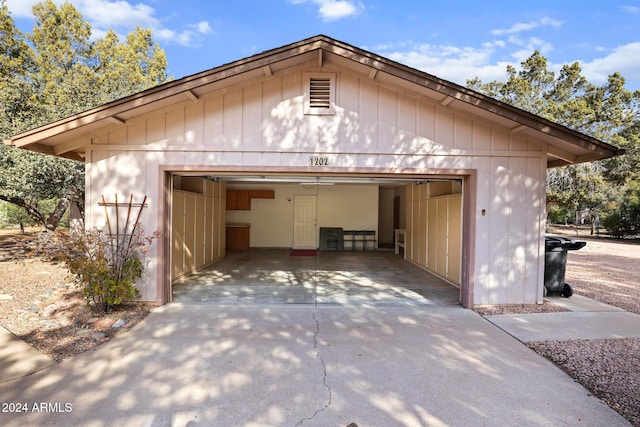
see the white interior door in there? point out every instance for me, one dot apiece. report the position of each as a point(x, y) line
point(304, 221)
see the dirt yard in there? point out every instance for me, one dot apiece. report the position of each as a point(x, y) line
point(40, 304)
point(607, 271)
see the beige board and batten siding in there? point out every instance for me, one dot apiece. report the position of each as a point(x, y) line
point(261, 125)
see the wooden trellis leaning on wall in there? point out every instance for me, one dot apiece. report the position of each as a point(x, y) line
point(122, 237)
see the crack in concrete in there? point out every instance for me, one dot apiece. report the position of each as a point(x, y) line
point(318, 354)
point(324, 371)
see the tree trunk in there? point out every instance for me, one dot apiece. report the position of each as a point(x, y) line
point(38, 217)
point(56, 215)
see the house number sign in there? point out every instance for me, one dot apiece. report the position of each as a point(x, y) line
point(318, 161)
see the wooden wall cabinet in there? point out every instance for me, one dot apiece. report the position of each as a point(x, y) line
point(434, 230)
point(198, 227)
point(261, 194)
point(240, 200)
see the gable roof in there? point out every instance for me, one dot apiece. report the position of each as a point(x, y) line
point(565, 146)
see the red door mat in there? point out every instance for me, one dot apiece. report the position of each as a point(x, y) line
point(304, 252)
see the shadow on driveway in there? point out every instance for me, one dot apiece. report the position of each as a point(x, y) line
point(208, 364)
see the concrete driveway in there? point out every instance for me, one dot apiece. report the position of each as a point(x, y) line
point(319, 365)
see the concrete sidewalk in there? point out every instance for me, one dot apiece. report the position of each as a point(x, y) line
point(274, 365)
point(17, 358)
point(588, 319)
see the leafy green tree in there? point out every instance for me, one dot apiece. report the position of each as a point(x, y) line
point(28, 179)
point(12, 215)
point(62, 51)
point(126, 68)
point(625, 169)
point(624, 219)
point(16, 67)
point(602, 112)
point(53, 72)
point(608, 112)
point(75, 74)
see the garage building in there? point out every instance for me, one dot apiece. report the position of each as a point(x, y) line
point(279, 149)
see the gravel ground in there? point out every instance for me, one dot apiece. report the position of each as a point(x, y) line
point(605, 270)
point(610, 369)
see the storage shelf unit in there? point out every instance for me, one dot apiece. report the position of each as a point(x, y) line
point(331, 239)
point(362, 240)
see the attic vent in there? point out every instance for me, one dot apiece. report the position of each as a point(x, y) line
point(320, 93)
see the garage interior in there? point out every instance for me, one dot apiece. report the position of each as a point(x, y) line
point(244, 239)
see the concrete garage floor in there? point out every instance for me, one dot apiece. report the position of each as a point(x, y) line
point(273, 276)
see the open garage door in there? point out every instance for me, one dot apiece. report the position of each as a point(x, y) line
point(248, 218)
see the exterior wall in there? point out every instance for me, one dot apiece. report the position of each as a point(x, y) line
point(262, 126)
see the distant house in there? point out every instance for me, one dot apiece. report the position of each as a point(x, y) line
point(320, 134)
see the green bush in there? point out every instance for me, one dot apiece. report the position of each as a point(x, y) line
point(559, 215)
point(107, 267)
point(624, 219)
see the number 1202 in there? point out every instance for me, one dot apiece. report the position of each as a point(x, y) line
point(318, 161)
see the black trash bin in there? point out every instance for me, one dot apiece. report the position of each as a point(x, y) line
point(555, 263)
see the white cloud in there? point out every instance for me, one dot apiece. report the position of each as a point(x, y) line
point(489, 60)
point(624, 59)
point(22, 8)
point(332, 10)
point(520, 27)
point(631, 9)
point(204, 27)
point(106, 14)
point(452, 63)
point(122, 16)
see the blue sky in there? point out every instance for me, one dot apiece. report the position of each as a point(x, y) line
point(454, 40)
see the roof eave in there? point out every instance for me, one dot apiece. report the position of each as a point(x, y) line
point(185, 85)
